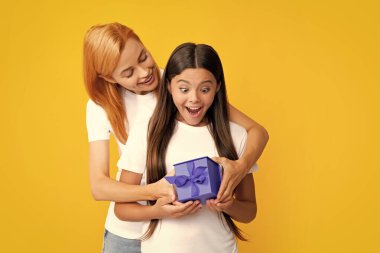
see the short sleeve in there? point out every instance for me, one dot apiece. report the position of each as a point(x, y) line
point(98, 126)
point(132, 160)
point(133, 156)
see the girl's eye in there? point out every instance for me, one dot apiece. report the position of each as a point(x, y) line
point(184, 90)
point(205, 90)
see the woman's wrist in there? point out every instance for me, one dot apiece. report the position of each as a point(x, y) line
point(229, 208)
point(152, 191)
point(244, 164)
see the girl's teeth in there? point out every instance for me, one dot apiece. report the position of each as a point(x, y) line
point(193, 110)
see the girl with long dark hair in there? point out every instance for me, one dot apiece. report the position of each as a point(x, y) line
point(190, 120)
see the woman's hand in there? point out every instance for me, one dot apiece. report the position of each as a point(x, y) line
point(163, 189)
point(233, 173)
point(166, 209)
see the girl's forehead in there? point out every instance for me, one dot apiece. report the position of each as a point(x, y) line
point(194, 75)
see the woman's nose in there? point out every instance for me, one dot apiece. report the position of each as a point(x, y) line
point(143, 71)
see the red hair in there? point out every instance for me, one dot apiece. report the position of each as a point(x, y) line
point(103, 45)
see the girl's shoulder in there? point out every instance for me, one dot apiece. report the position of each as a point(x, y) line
point(237, 129)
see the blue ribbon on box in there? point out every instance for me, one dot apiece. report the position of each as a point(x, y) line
point(196, 176)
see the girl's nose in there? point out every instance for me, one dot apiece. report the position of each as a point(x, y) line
point(194, 97)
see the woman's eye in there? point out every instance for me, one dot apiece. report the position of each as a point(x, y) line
point(184, 90)
point(144, 57)
point(129, 74)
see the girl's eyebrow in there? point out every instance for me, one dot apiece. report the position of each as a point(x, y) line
point(182, 80)
point(185, 81)
point(129, 68)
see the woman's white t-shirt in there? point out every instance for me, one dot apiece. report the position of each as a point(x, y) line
point(139, 109)
point(200, 232)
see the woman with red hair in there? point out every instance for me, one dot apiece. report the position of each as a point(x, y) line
point(121, 79)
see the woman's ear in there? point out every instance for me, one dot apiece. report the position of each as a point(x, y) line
point(108, 79)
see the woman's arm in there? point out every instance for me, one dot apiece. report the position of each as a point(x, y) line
point(242, 207)
point(162, 209)
point(235, 171)
point(103, 187)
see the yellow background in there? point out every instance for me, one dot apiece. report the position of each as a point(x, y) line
point(307, 70)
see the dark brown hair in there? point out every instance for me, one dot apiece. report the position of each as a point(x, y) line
point(163, 121)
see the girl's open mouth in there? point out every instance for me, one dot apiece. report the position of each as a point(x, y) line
point(193, 111)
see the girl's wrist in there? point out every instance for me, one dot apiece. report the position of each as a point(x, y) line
point(157, 212)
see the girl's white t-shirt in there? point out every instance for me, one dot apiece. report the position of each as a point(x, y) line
point(204, 231)
point(139, 109)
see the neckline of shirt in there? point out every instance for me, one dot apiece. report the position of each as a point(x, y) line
point(140, 96)
point(191, 127)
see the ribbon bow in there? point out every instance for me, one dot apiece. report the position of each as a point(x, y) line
point(196, 176)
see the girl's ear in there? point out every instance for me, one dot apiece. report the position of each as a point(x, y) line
point(108, 79)
point(169, 87)
point(218, 87)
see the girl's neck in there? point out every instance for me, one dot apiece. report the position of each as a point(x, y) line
point(203, 123)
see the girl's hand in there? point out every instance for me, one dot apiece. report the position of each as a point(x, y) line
point(167, 209)
point(163, 189)
point(233, 173)
point(219, 206)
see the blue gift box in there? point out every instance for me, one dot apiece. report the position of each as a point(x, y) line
point(197, 179)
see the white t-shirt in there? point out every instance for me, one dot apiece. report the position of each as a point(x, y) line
point(139, 110)
point(200, 232)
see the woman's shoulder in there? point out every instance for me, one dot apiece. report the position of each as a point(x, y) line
point(95, 113)
point(91, 105)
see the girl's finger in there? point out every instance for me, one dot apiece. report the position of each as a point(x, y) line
point(195, 209)
point(188, 208)
point(177, 203)
point(195, 206)
point(212, 206)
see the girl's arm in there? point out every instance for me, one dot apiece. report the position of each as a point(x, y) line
point(235, 171)
point(242, 207)
point(103, 187)
point(162, 209)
